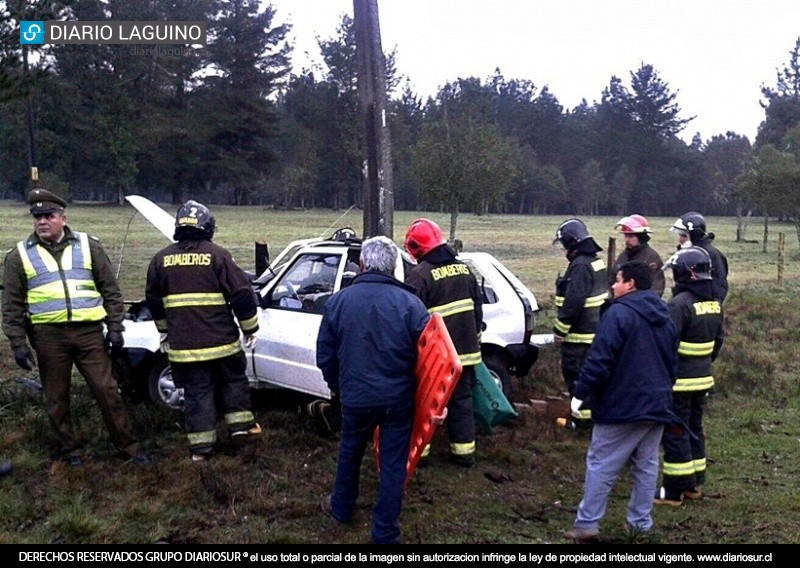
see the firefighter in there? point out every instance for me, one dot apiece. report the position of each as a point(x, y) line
point(698, 319)
point(194, 290)
point(447, 286)
point(636, 231)
point(60, 288)
point(580, 293)
point(694, 224)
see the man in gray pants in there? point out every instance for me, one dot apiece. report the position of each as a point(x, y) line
point(629, 372)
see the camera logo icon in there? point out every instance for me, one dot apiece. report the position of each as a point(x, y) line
point(31, 32)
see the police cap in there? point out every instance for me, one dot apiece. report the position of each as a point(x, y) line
point(43, 201)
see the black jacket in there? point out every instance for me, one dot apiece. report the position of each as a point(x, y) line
point(698, 319)
point(447, 286)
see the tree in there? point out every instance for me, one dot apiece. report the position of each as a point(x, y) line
point(726, 157)
point(652, 106)
point(782, 107)
point(249, 60)
point(463, 164)
point(589, 189)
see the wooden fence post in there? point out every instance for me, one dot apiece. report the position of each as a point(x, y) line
point(781, 250)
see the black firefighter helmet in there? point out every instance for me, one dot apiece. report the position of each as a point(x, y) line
point(194, 221)
point(691, 264)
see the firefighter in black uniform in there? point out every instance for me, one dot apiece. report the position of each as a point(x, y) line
point(194, 290)
point(698, 318)
point(694, 224)
point(60, 288)
point(446, 285)
point(579, 295)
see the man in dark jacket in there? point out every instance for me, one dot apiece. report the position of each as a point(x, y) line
point(194, 290)
point(580, 293)
point(636, 231)
point(694, 224)
point(367, 352)
point(628, 373)
point(698, 319)
point(446, 285)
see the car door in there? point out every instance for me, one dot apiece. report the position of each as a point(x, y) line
point(289, 320)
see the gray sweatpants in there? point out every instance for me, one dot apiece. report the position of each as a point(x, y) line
point(612, 446)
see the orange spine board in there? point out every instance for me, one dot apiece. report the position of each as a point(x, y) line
point(438, 370)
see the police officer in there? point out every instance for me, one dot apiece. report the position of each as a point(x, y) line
point(446, 285)
point(59, 290)
point(698, 319)
point(194, 290)
point(636, 232)
point(579, 295)
point(694, 224)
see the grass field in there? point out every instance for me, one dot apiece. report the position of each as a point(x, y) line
point(529, 475)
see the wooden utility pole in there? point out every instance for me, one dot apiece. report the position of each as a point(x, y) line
point(32, 167)
point(372, 98)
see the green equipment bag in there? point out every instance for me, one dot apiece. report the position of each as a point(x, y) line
point(490, 405)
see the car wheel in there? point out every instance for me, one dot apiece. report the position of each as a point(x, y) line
point(161, 385)
point(499, 371)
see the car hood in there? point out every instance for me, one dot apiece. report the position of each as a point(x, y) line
point(159, 218)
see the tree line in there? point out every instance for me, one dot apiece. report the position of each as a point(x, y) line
point(233, 123)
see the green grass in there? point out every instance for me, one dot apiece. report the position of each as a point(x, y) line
point(529, 476)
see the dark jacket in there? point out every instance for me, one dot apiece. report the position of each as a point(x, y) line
point(194, 289)
point(15, 303)
point(446, 285)
point(646, 254)
point(719, 266)
point(698, 318)
point(367, 342)
point(579, 295)
point(630, 368)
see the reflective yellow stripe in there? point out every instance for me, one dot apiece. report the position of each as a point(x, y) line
point(453, 308)
point(590, 302)
point(699, 465)
point(462, 449)
point(206, 354)
point(239, 417)
point(595, 301)
point(194, 299)
point(470, 358)
point(426, 451)
point(249, 323)
point(202, 438)
point(688, 349)
point(598, 264)
point(579, 338)
point(693, 384)
point(678, 469)
point(586, 413)
point(562, 327)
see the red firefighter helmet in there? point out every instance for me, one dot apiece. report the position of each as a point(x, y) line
point(422, 236)
point(635, 224)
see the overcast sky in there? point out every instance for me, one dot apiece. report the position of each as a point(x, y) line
point(714, 54)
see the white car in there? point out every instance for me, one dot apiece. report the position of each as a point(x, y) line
point(293, 289)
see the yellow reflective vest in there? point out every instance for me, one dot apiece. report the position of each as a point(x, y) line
point(61, 290)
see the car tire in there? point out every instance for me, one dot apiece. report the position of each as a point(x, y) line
point(499, 371)
point(161, 385)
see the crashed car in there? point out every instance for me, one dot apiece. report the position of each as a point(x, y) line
point(292, 290)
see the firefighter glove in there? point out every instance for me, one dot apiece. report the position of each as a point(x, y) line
point(250, 341)
point(24, 357)
point(164, 342)
point(114, 341)
point(575, 407)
